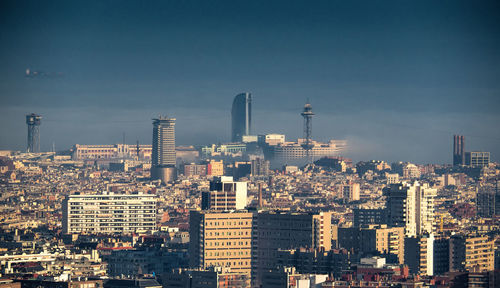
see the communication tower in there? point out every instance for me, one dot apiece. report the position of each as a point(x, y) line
point(307, 114)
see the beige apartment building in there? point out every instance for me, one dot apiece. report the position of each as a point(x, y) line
point(388, 240)
point(109, 213)
point(249, 241)
point(221, 239)
point(215, 168)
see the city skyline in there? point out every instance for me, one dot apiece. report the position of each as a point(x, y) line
point(249, 144)
point(371, 71)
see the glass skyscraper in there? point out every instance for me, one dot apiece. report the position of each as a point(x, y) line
point(241, 116)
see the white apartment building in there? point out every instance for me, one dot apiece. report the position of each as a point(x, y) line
point(411, 205)
point(109, 213)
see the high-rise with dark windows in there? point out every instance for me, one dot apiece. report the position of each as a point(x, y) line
point(458, 150)
point(163, 149)
point(33, 121)
point(241, 116)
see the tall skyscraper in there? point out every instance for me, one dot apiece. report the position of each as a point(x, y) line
point(163, 150)
point(411, 205)
point(33, 121)
point(458, 150)
point(241, 116)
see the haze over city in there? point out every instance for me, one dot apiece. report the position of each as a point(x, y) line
point(382, 75)
point(249, 144)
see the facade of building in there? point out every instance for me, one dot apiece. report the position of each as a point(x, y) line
point(133, 262)
point(419, 254)
point(195, 170)
point(411, 205)
point(441, 255)
point(215, 168)
point(309, 261)
point(488, 201)
point(285, 230)
point(241, 117)
point(212, 277)
point(93, 152)
point(293, 150)
point(223, 149)
point(411, 171)
point(369, 216)
point(33, 121)
point(225, 194)
point(392, 178)
point(374, 238)
point(271, 139)
point(163, 157)
point(477, 159)
point(350, 191)
point(109, 213)
point(260, 167)
point(221, 239)
point(471, 253)
point(458, 150)
point(288, 277)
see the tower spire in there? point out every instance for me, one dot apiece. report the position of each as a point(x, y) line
point(308, 114)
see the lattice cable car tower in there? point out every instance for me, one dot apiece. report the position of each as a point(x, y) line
point(308, 145)
point(33, 120)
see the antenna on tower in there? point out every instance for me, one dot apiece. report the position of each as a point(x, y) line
point(308, 145)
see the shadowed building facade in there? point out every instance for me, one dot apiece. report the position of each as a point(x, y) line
point(241, 116)
point(33, 121)
point(458, 150)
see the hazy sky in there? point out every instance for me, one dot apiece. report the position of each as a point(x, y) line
point(395, 78)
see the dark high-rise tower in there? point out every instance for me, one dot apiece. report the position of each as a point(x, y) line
point(241, 116)
point(33, 122)
point(458, 150)
point(307, 114)
point(163, 149)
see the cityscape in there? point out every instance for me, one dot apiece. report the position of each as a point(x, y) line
point(193, 204)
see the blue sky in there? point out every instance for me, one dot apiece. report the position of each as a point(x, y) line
point(395, 78)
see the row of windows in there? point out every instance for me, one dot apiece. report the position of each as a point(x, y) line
point(229, 233)
point(227, 243)
point(228, 264)
point(238, 253)
point(228, 223)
